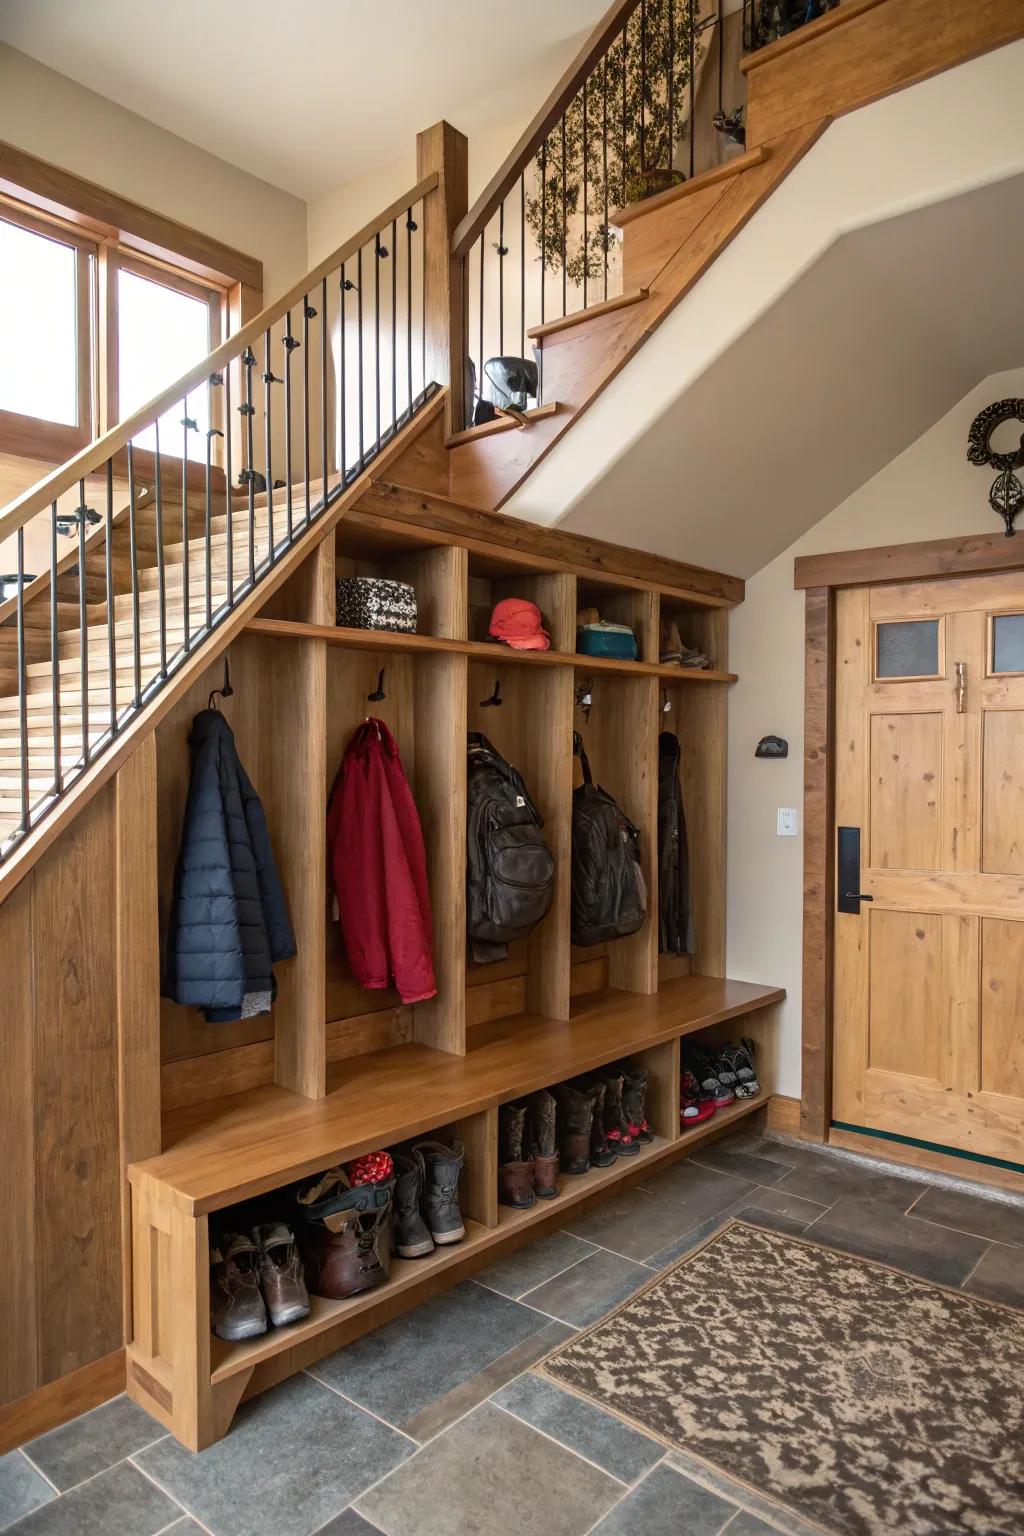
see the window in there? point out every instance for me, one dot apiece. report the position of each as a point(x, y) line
point(165, 326)
point(907, 649)
point(45, 337)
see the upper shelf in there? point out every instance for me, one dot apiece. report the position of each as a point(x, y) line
point(476, 650)
point(257, 1141)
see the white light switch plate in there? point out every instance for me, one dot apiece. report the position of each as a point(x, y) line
point(788, 821)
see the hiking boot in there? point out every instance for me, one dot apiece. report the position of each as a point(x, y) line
point(346, 1233)
point(601, 1154)
point(634, 1103)
point(541, 1144)
point(440, 1167)
point(515, 1173)
point(410, 1235)
point(237, 1310)
point(573, 1124)
point(620, 1138)
point(282, 1280)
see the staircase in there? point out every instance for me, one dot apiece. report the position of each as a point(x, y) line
point(340, 382)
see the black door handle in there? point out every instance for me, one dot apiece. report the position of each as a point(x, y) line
point(848, 859)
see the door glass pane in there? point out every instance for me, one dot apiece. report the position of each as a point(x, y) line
point(1008, 642)
point(161, 334)
point(38, 326)
point(908, 649)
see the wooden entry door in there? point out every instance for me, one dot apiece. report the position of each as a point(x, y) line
point(929, 974)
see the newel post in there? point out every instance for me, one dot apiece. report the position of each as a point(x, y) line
point(444, 150)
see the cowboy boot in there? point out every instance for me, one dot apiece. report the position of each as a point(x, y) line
point(601, 1154)
point(541, 1143)
point(441, 1167)
point(515, 1173)
point(634, 1103)
point(411, 1234)
point(573, 1123)
point(620, 1138)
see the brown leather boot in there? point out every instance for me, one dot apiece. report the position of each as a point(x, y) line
point(515, 1171)
point(575, 1115)
point(282, 1280)
point(237, 1310)
point(542, 1147)
point(346, 1233)
point(616, 1128)
point(601, 1154)
point(634, 1103)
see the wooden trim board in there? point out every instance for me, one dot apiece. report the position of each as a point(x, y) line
point(972, 555)
point(61, 1400)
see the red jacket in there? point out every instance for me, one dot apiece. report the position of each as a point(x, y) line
point(379, 867)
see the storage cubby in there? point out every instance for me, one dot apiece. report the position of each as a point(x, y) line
point(337, 1070)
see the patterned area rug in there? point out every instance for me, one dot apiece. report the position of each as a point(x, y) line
point(865, 1400)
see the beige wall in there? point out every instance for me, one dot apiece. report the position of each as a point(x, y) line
point(53, 117)
point(928, 492)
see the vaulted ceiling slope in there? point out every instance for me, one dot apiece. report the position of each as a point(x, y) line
point(811, 354)
point(314, 93)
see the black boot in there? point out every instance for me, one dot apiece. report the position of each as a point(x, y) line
point(620, 1138)
point(515, 1173)
point(573, 1122)
point(634, 1103)
point(441, 1167)
point(601, 1154)
point(410, 1234)
point(541, 1144)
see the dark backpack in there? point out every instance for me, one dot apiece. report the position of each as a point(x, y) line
point(609, 897)
point(675, 919)
point(510, 874)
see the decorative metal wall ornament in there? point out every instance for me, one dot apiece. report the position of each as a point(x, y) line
point(1006, 495)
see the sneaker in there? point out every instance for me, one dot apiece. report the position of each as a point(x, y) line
point(702, 1063)
point(282, 1279)
point(696, 1105)
point(237, 1308)
point(741, 1060)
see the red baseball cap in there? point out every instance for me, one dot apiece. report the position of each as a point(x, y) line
point(517, 622)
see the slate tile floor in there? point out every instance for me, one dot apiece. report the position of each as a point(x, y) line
point(434, 1426)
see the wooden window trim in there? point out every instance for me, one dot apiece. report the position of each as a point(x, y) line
point(34, 437)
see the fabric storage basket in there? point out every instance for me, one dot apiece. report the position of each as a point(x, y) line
point(375, 602)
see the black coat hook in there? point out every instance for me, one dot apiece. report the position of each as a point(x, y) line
point(495, 698)
point(224, 692)
point(378, 693)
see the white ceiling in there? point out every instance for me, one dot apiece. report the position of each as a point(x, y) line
point(312, 93)
point(876, 341)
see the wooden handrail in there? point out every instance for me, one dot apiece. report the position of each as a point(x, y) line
point(501, 183)
point(94, 456)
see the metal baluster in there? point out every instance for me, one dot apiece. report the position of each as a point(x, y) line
point(522, 263)
point(184, 526)
point(246, 410)
point(394, 324)
point(625, 104)
point(480, 375)
point(409, 228)
point(207, 533)
point(343, 289)
point(720, 24)
point(359, 353)
point(23, 680)
point(133, 548)
point(229, 507)
point(604, 163)
point(161, 577)
point(543, 227)
point(55, 647)
point(269, 380)
point(289, 347)
point(643, 86)
point(565, 216)
point(501, 278)
point(83, 627)
point(378, 251)
point(586, 147)
point(307, 315)
point(671, 81)
point(108, 560)
point(323, 391)
point(693, 94)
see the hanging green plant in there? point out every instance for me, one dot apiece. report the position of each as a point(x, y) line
point(616, 141)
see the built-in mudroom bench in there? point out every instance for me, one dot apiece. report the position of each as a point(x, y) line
point(335, 1071)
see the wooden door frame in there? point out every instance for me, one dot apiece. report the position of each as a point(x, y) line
point(819, 577)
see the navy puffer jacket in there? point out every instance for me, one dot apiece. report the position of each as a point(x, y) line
point(229, 922)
